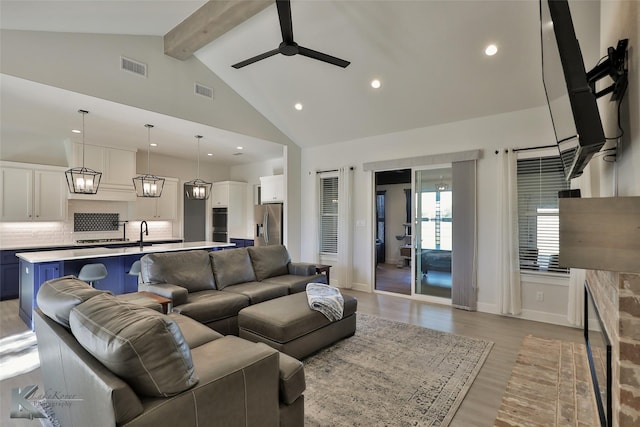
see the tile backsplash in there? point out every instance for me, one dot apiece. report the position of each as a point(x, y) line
point(95, 221)
point(36, 233)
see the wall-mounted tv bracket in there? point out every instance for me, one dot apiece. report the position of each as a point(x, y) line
point(615, 66)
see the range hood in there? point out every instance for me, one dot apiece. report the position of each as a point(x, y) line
point(118, 167)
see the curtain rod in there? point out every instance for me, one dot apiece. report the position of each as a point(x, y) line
point(334, 170)
point(515, 150)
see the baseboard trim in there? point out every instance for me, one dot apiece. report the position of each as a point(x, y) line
point(536, 316)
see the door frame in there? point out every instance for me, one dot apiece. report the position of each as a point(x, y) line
point(413, 295)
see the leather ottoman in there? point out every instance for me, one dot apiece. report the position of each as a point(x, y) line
point(290, 326)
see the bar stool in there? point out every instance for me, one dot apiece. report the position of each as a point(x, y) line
point(92, 272)
point(135, 269)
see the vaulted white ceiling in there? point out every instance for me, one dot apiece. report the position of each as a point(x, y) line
point(428, 55)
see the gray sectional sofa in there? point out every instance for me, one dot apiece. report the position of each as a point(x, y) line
point(127, 365)
point(212, 287)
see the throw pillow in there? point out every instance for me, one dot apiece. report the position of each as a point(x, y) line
point(140, 345)
point(57, 297)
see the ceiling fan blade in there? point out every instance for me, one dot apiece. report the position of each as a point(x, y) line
point(255, 58)
point(286, 24)
point(310, 53)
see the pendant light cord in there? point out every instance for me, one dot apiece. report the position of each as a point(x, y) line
point(148, 126)
point(198, 170)
point(83, 112)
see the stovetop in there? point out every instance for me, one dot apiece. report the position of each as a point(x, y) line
point(101, 240)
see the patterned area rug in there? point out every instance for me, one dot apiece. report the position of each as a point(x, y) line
point(391, 373)
point(549, 386)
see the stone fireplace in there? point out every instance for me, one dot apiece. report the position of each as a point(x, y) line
point(617, 297)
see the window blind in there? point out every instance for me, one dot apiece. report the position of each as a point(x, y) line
point(539, 180)
point(329, 214)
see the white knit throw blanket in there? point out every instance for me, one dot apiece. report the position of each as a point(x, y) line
point(326, 299)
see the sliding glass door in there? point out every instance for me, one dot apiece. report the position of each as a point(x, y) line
point(433, 224)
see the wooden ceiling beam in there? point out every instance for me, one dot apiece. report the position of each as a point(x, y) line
point(206, 24)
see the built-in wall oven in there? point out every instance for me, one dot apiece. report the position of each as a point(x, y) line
point(219, 225)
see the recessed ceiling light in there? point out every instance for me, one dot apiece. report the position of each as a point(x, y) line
point(239, 148)
point(298, 106)
point(153, 144)
point(209, 154)
point(76, 131)
point(491, 50)
point(375, 83)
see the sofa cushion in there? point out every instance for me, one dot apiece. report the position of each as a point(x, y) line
point(296, 283)
point(195, 333)
point(140, 345)
point(259, 291)
point(231, 266)
point(188, 269)
point(57, 297)
point(209, 306)
point(269, 261)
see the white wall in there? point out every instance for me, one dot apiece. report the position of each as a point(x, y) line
point(518, 129)
point(619, 20)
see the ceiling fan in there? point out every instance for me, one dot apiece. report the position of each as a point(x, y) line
point(288, 47)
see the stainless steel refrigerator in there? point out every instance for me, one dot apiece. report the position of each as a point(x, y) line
point(268, 224)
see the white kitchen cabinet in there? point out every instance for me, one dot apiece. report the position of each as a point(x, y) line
point(163, 208)
point(233, 196)
point(272, 189)
point(220, 194)
point(32, 193)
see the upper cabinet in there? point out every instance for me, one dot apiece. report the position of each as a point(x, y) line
point(118, 167)
point(220, 194)
point(32, 193)
point(272, 189)
point(163, 208)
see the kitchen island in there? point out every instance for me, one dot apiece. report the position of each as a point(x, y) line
point(38, 267)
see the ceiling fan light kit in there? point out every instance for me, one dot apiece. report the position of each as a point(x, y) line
point(83, 180)
point(289, 47)
point(148, 185)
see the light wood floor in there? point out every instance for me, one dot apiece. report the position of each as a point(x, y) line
point(479, 408)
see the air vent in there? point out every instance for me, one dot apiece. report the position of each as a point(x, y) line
point(203, 90)
point(132, 66)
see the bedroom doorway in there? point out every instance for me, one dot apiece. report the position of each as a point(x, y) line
point(393, 216)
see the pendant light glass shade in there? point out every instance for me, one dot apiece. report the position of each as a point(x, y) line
point(197, 189)
point(83, 180)
point(148, 185)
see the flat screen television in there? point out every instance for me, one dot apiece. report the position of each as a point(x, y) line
point(571, 99)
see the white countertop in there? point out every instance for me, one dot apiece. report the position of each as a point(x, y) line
point(75, 244)
point(71, 254)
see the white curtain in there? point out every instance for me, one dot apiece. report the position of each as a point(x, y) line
point(508, 246)
point(345, 227)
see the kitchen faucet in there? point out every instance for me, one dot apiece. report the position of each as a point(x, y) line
point(146, 231)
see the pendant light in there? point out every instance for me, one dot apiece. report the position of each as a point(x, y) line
point(197, 189)
point(83, 180)
point(148, 185)
point(442, 186)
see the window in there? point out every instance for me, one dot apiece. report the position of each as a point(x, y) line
point(539, 180)
point(329, 214)
point(436, 220)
